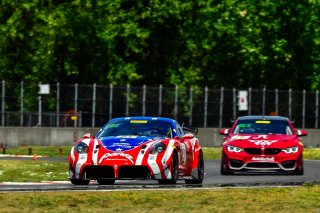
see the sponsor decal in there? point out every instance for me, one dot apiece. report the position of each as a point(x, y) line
point(116, 154)
point(262, 140)
point(139, 121)
point(263, 122)
point(124, 145)
point(269, 159)
point(240, 137)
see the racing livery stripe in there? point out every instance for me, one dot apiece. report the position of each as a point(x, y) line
point(82, 158)
point(95, 152)
point(141, 156)
point(152, 161)
point(166, 157)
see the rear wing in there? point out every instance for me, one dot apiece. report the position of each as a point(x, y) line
point(193, 130)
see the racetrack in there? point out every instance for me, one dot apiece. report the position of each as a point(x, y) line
point(212, 179)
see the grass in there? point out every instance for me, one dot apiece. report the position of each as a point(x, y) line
point(292, 199)
point(32, 171)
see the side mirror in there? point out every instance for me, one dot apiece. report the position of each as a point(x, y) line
point(301, 132)
point(224, 131)
point(87, 135)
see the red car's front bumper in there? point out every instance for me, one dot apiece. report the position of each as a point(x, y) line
point(277, 162)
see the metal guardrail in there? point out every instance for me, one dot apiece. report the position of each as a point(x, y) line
point(77, 105)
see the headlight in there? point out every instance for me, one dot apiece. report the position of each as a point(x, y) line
point(82, 148)
point(234, 149)
point(157, 148)
point(290, 150)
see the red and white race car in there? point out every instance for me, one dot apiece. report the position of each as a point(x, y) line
point(262, 144)
point(138, 148)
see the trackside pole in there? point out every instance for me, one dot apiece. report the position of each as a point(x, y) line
point(221, 107)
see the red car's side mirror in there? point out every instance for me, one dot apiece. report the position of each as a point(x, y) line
point(224, 131)
point(301, 132)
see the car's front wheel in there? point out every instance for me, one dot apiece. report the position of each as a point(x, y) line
point(174, 169)
point(199, 180)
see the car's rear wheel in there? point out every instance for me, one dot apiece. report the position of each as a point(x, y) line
point(174, 169)
point(199, 180)
point(106, 181)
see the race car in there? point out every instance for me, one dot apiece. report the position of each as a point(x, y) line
point(267, 144)
point(138, 148)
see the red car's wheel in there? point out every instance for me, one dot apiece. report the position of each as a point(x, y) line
point(299, 169)
point(224, 168)
point(174, 169)
point(199, 180)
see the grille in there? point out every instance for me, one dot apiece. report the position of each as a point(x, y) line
point(135, 172)
point(289, 164)
point(236, 163)
point(253, 151)
point(272, 151)
point(263, 165)
point(94, 172)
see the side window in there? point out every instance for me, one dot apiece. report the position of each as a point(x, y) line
point(180, 131)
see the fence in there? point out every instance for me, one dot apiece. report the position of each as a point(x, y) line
point(93, 105)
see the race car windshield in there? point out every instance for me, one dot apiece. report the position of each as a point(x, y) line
point(154, 128)
point(263, 127)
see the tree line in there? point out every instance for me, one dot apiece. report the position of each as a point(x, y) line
point(214, 43)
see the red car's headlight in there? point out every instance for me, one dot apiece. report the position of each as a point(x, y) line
point(290, 150)
point(234, 149)
point(82, 148)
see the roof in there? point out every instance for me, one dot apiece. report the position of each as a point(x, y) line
point(149, 118)
point(263, 117)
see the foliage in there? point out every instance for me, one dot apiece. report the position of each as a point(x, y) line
point(271, 43)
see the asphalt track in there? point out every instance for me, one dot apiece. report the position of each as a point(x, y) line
point(212, 179)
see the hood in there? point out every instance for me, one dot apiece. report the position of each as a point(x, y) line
point(124, 143)
point(279, 141)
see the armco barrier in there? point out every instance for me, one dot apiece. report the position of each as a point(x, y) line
point(46, 136)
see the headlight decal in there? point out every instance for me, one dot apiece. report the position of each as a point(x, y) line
point(234, 149)
point(291, 150)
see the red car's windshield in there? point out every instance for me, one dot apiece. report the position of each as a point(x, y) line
point(262, 127)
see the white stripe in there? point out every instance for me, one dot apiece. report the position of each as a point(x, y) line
point(154, 166)
point(95, 152)
point(82, 158)
point(141, 156)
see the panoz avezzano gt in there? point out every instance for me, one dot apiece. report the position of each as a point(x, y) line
point(262, 144)
point(138, 148)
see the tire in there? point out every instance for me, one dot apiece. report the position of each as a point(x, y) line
point(225, 171)
point(79, 182)
point(299, 170)
point(106, 181)
point(174, 169)
point(199, 180)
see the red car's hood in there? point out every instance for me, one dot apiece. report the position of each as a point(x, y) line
point(279, 141)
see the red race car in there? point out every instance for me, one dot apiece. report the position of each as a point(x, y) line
point(262, 144)
point(138, 148)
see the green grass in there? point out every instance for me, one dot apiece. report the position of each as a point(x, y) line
point(32, 171)
point(293, 199)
